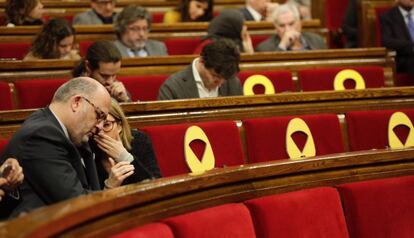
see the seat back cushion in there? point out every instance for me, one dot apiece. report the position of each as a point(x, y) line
point(152, 230)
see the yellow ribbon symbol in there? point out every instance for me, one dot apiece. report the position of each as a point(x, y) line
point(399, 118)
point(309, 150)
point(207, 161)
point(257, 80)
point(348, 74)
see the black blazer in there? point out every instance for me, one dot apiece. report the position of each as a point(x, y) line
point(246, 14)
point(51, 163)
point(395, 36)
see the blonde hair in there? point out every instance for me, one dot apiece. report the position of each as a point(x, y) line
point(117, 112)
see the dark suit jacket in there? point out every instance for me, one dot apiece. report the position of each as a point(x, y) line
point(51, 163)
point(313, 40)
point(246, 14)
point(153, 48)
point(182, 85)
point(395, 36)
point(144, 162)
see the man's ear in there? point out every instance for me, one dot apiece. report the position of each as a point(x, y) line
point(75, 103)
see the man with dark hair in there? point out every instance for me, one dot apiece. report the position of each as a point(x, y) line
point(102, 12)
point(132, 27)
point(397, 33)
point(51, 145)
point(103, 62)
point(212, 74)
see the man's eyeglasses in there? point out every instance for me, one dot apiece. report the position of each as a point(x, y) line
point(100, 115)
point(108, 125)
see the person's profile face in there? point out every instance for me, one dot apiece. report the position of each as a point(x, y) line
point(104, 8)
point(37, 11)
point(286, 22)
point(197, 9)
point(136, 34)
point(211, 79)
point(106, 73)
point(65, 46)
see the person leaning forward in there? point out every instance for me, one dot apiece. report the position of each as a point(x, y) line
point(51, 145)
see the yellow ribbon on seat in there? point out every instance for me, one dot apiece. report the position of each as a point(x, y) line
point(396, 119)
point(309, 150)
point(207, 162)
point(258, 80)
point(345, 74)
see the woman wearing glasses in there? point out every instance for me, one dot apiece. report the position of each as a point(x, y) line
point(123, 156)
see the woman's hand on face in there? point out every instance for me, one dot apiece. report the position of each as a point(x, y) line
point(113, 148)
point(119, 172)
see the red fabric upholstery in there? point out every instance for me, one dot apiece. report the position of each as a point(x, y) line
point(334, 13)
point(369, 129)
point(157, 17)
point(266, 137)
point(378, 12)
point(35, 93)
point(168, 142)
point(143, 87)
point(281, 79)
point(404, 80)
point(201, 45)
point(5, 97)
point(322, 79)
point(379, 208)
point(306, 213)
point(84, 46)
point(3, 143)
point(153, 230)
point(229, 220)
point(14, 50)
point(257, 39)
point(182, 46)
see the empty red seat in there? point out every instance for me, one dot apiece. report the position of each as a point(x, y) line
point(3, 143)
point(323, 78)
point(157, 17)
point(143, 87)
point(379, 208)
point(84, 46)
point(5, 97)
point(281, 80)
point(313, 212)
point(266, 137)
point(334, 14)
point(378, 12)
point(152, 230)
point(35, 93)
point(229, 220)
point(369, 129)
point(168, 143)
point(14, 50)
point(182, 46)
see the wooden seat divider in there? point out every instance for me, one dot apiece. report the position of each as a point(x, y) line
point(112, 211)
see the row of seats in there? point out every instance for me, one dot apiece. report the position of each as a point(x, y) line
point(376, 208)
point(34, 93)
point(175, 46)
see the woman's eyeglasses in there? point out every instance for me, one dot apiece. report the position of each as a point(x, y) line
point(108, 125)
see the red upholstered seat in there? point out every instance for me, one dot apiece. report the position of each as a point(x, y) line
point(143, 87)
point(5, 97)
point(157, 17)
point(334, 15)
point(379, 208)
point(229, 220)
point(14, 50)
point(182, 46)
point(84, 46)
point(369, 129)
point(378, 12)
point(168, 142)
point(323, 78)
point(281, 79)
point(266, 137)
point(306, 213)
point(257, 39)
point(152, 230)
point(35, 93)
point(3, 143)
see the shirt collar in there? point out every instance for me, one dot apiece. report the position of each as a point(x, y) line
point(61, 124)
point(256, 15)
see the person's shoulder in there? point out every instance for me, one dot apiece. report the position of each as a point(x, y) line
point(267, 45)
point(84, 18)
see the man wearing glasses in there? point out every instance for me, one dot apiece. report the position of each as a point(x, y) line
point(51, 145)
point(132, 27)
point(102, 12)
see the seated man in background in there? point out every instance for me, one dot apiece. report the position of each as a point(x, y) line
point(397, 33)
point(102, 12)
point(51, 145)
point(288, 26)
point(258, 10)
point(102, 63)
point(212, 74)
point(132, 27)
point(11, 176)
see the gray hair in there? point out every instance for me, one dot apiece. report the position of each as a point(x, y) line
point(128, 15)
point(80, 85)
point(284, 8)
